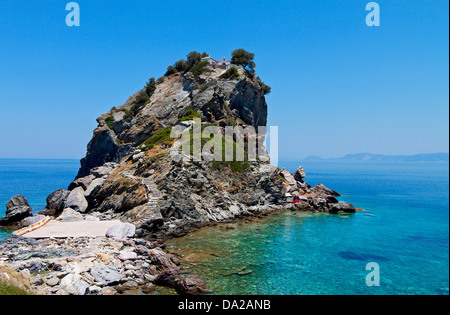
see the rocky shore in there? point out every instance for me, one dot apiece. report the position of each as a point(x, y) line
point(129, 174)
point(114, 264)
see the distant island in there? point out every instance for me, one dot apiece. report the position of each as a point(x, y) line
point(367, 157)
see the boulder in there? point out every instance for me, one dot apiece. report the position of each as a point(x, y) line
point(299, 174)
point(104, 170)
point(168, 278)
point(17, 201)
point(161, 259)
point(128, 256)
point(82, 182)
point(17, 209)
point(76, 200)
point(70, 215)
point(191, 285)
point(105, 275)
point(288, 177)
point(321, 190)
point(343, 207)
point(124, 230)
point(56, 200)
point(94, 187)
point(74, 285)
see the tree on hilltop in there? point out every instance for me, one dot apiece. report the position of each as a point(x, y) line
point(243, 58)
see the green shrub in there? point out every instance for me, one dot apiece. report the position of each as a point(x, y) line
point(171, 70)
point(266, 89)
point(159, 138)
point(109, 121)
point(194, 58)
point(231, 74)
point(182, 66)
point(142, 98)
point(200, 68)
point(190, 114)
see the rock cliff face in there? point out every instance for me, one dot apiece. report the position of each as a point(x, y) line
point(214, 99)
point(129, 172)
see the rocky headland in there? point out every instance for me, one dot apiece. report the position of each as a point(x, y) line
point(129, 174)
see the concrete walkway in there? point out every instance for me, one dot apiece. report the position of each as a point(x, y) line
point(58, 229)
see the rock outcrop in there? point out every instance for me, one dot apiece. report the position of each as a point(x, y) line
point(17, 209)
point(133, 171)
point(129, 172)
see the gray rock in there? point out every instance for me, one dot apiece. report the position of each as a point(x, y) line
point(104, 170)
point(121, 231)
point(105, 275)
point(17, 209)
point(94, 187)
point(343, 207)
point(138, 156)
point(323, 191)
point(70, 215)
point(73, 285)
point(299, 174)
point(56, 200)
point(82, 182)
point(288, 177)
point(128, 256)
point(17, 201)
point(76, 200)
point(53, 281)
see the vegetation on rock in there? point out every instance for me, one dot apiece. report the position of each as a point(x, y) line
point(231, 74)
point(162, 137)
point(243, 58)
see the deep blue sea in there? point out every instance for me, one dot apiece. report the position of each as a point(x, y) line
point(405, 231)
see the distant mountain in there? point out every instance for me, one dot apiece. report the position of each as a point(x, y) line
point(367, 157)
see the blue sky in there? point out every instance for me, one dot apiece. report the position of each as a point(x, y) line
point(338, 86)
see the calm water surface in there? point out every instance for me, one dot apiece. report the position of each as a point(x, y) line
point(406, 231)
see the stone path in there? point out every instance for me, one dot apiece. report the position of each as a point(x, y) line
point(57, 229)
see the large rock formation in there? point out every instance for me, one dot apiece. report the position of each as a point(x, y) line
point(129, 172)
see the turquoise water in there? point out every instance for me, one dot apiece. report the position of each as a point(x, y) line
point(406, 232)
point(34, 179)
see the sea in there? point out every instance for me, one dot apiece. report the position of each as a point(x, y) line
point(399, 244)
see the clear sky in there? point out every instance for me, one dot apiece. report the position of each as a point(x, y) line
point(338, 86)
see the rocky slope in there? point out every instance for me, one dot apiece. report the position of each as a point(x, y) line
point(129, 174)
